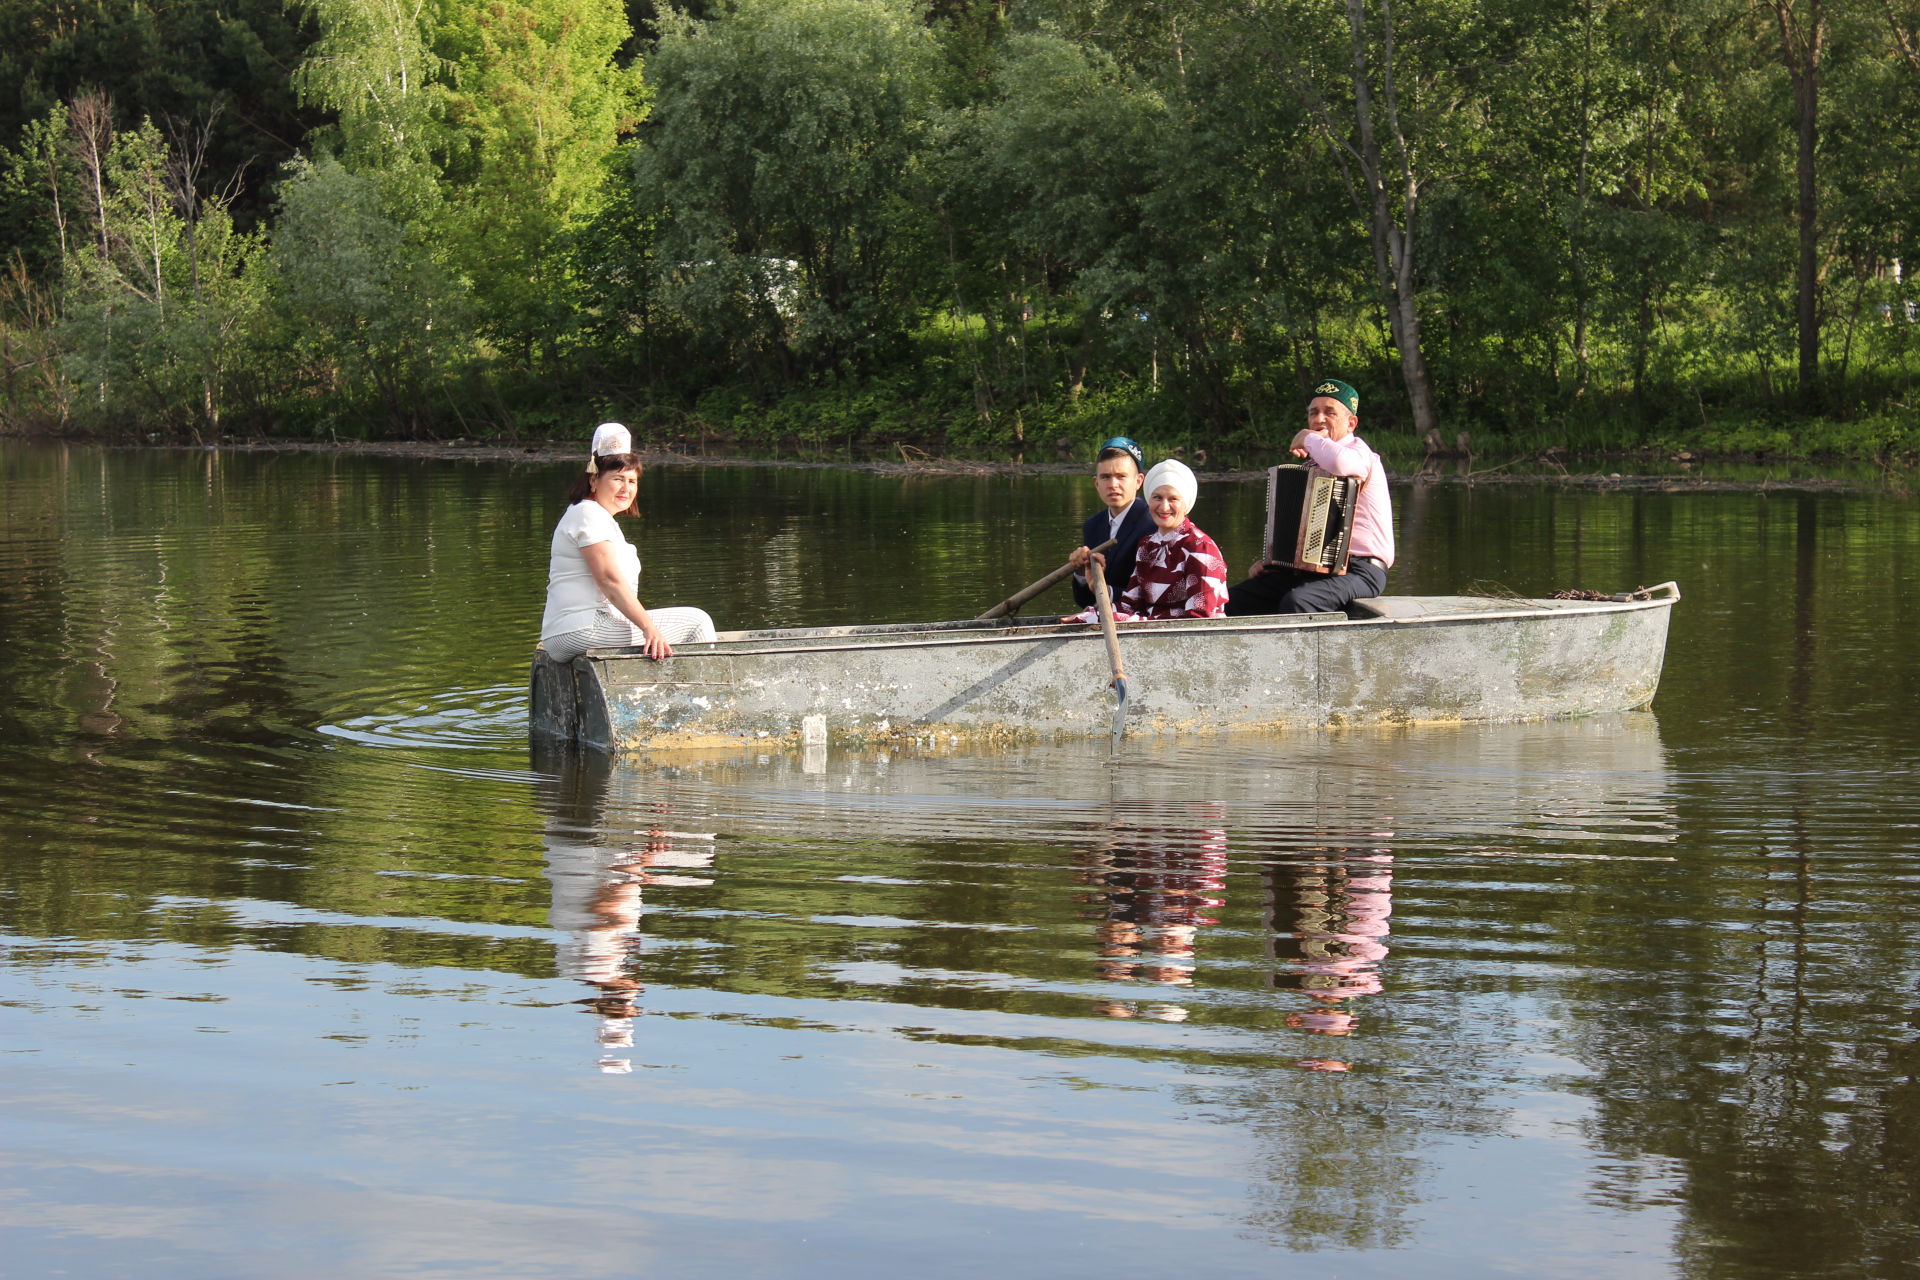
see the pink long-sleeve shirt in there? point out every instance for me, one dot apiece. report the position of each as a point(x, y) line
point(1373, 520)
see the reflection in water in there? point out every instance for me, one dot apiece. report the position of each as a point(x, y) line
point(597, 874)
point(269, 837)
point(1328, 916)
point(1155, 886)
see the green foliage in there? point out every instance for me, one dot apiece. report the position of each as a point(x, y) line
point(532, 126)
point(373, 67)
point(848, 223)
point(780, 162)
point(159, 289)
point(425, 263)
point(1884, 437)
point(39, 184)
point(1069, 143)
point(218, 65)
point(379, 326)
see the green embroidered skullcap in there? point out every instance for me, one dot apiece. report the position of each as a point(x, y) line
point(1341, 391)
point(1119, 445)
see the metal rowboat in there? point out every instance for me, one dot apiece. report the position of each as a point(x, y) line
point(1394, 659)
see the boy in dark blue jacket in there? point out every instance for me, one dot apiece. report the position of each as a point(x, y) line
point(1117, 473)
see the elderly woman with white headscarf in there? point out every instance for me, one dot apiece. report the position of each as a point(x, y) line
point(1179, 572)
point(593, 573)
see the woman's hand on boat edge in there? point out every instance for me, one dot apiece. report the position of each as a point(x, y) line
point(613, 587)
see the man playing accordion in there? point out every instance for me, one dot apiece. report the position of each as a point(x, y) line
point(1329, 443)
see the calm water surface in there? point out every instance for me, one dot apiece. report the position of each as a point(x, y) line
point(308, 968)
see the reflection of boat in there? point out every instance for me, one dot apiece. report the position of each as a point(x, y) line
point(1228, 874)
point(1538, 785)
point(1406, 660)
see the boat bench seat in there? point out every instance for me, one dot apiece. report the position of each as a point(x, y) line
point(1385, 607)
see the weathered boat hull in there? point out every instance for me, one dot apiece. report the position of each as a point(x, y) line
point(1420, 660)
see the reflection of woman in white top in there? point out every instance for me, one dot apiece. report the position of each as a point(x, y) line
point(593, 574)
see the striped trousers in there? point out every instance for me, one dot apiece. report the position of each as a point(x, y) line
point(685, 625)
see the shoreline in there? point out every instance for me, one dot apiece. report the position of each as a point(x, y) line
point(1891, 480)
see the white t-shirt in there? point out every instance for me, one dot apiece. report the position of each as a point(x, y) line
point(573, 597)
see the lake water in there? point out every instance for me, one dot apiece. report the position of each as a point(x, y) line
point(308, 968)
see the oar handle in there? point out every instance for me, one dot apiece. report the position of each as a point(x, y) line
point(1104, 601)
point(1027, 593)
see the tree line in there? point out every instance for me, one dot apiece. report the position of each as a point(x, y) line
point(980, 225)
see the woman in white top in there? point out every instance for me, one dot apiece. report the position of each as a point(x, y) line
point(593, 574)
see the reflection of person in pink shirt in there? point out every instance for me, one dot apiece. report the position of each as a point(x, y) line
point(1339, 909)
point(1156, 889)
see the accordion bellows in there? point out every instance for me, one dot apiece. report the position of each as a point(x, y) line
point(1310, 518)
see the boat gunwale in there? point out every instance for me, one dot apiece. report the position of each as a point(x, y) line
point(924, 636)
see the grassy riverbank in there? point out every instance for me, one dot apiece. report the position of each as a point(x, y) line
point(954, 396)
point(1641, 470)
point(1879, 448)
point(889, 419)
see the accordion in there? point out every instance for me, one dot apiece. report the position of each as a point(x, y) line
point(1310, 518)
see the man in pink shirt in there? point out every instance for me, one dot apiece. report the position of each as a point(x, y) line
point(1333, 412)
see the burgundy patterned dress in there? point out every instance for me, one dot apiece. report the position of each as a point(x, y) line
point(1177, 575)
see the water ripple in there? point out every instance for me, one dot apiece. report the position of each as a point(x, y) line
point(459, 719)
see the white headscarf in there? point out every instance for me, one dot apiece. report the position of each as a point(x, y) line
point(608, 437)
point(1177, 474)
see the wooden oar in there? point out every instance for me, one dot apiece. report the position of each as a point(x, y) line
point(1027, 593)
point(1104, 601)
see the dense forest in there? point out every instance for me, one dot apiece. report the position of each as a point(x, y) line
point(982, 227)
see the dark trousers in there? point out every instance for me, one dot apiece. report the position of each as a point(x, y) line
point(1283, 590)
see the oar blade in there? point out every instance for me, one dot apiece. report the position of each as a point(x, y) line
point(1119, 710)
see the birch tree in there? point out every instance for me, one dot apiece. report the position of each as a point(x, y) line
point(1394, 118)
point(1803, 29)
point(374, 68)
point(1392, 177)
point(161, 293)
